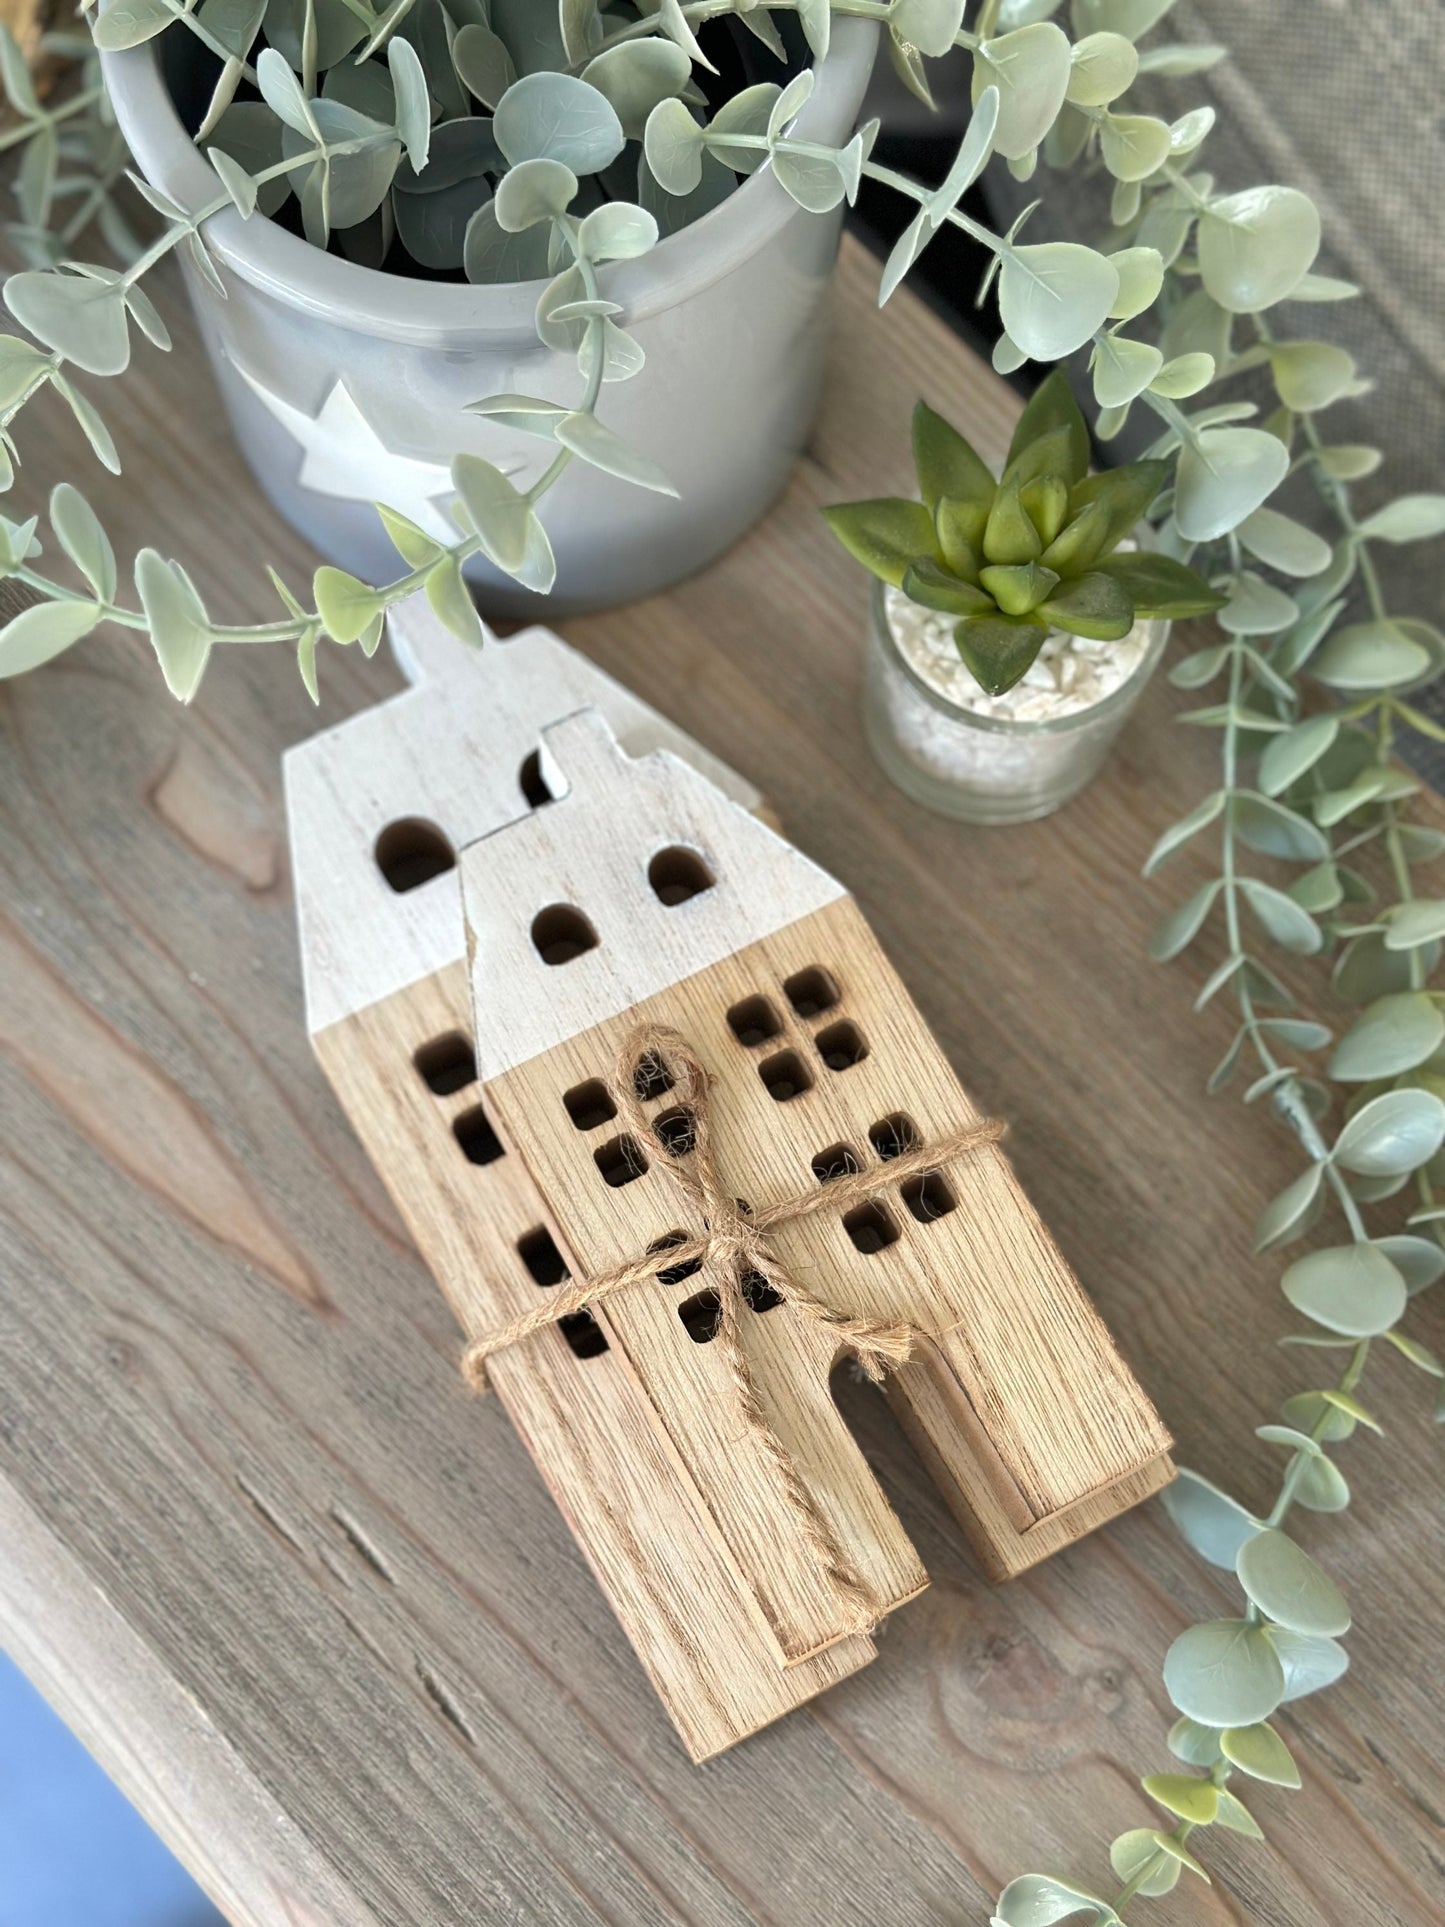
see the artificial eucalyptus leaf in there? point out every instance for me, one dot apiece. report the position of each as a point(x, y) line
point(674, 146)
point(1288, 1214)
point(82, 318)
point(1136, 1857)
point(484, 65)
point(596, 444)
point(346, 605)
point(1350, 1289)
point(180, 630)
point(533, 191)
point(1259, 1751)
point(1179, 929)
point(413, 103)
point(1196, 1745)
point(1309, 375)
point(558, 117)
point(1393, 1133)
point(1292, 754)
point(1394, 1034)
point(496, 509)
point(1123, 369)
point(1272, 829)
point(635, 75)
point(1134, 146)
point(1224, 1673)
point(1310, 1663)
point(1322, 1487)
point(1372, 654)
point(1184, 1795)
point(1223, 476)
point(1040, 1900)
point(41, 632)
point(1141, 275)
point(491, 254)
point(1054, 296)
point(1291, 1589)
point(78, 531)
point(1102, 66)
point(928, 25)
point(1207, 1519)
point(129, 23)
point(1031, 68)
point(1255, 247)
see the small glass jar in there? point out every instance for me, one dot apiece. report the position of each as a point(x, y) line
point(985, 769)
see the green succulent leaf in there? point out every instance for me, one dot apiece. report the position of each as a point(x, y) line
point(959, 527)
point(999, 650)
point(927, 582)
point(885, 535)
point(1125, 493)
point(1158, 585)
point(1018, 588)
point(947, 465)
point(1050, 412)
point(1009, 535)
point(1096, 606)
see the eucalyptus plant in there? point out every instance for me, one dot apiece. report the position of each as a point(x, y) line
point(1311, 673)
point(1037, 550)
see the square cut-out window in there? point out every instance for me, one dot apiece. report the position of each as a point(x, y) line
point(675, 1274)
point(871, 1228)
point(590, 1105)
point(929, 1197)
point(701, 1315)
point(785, 1075)
point(411, 852)
point(651, 1078)
point(545, 1263)
point(892, 1136)
point(841, 1046)
point(677, 874)
point(838, 1161)
point(561, 933)
point(758, 1293)
point(479, 1142)
point(583, 1333)
point(447, 1064)
point(676, 1131)
point(620, 1160)
point(812, 991)
point(754, 1021)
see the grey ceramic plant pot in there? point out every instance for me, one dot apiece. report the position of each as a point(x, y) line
point(343, 383)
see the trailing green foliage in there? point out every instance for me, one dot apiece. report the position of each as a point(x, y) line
point(1192, 289)
point(1035, 551)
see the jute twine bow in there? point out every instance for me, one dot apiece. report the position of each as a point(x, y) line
point(734, 1247)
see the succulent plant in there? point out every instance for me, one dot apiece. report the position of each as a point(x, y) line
point(1036, 550)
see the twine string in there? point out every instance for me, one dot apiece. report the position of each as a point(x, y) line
point(734, 1246)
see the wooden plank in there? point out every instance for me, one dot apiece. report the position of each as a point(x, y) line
point(228, 1395)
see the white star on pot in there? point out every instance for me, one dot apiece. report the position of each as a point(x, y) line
point(346, 458)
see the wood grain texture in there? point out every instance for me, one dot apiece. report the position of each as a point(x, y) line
point(329, 1589)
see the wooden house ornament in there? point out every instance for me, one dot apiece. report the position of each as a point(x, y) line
point(619, 886)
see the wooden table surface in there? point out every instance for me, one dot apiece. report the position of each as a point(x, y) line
point(309, 1602)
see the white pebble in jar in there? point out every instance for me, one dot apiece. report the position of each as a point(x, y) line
point(999, 759)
